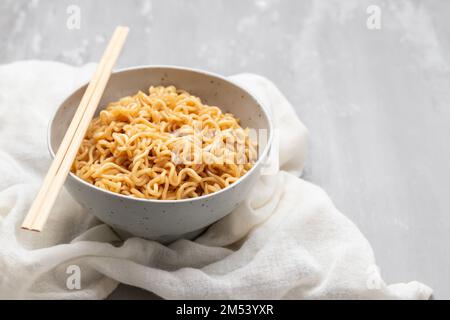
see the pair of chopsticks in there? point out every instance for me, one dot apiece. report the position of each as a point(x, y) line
point(60, 167)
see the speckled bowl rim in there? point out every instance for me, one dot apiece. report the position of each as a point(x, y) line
point(211, 74)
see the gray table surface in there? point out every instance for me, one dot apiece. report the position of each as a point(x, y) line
point(376, 101)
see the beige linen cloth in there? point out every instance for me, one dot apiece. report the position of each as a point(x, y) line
point(287, 241)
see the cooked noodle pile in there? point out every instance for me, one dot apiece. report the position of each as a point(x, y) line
point(164, 145)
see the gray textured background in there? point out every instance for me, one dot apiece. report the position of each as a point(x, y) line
point(376, 101)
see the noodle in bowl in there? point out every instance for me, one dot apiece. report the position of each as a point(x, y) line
point(170, 151)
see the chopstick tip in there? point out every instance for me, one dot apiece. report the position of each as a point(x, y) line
point(124, 28)
point(30, 229)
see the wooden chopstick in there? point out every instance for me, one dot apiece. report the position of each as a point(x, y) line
point(60, 167)
point(65, 143)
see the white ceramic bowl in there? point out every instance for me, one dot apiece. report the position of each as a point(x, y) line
point(165, 220)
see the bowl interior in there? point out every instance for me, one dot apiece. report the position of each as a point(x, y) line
point(212, 89)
